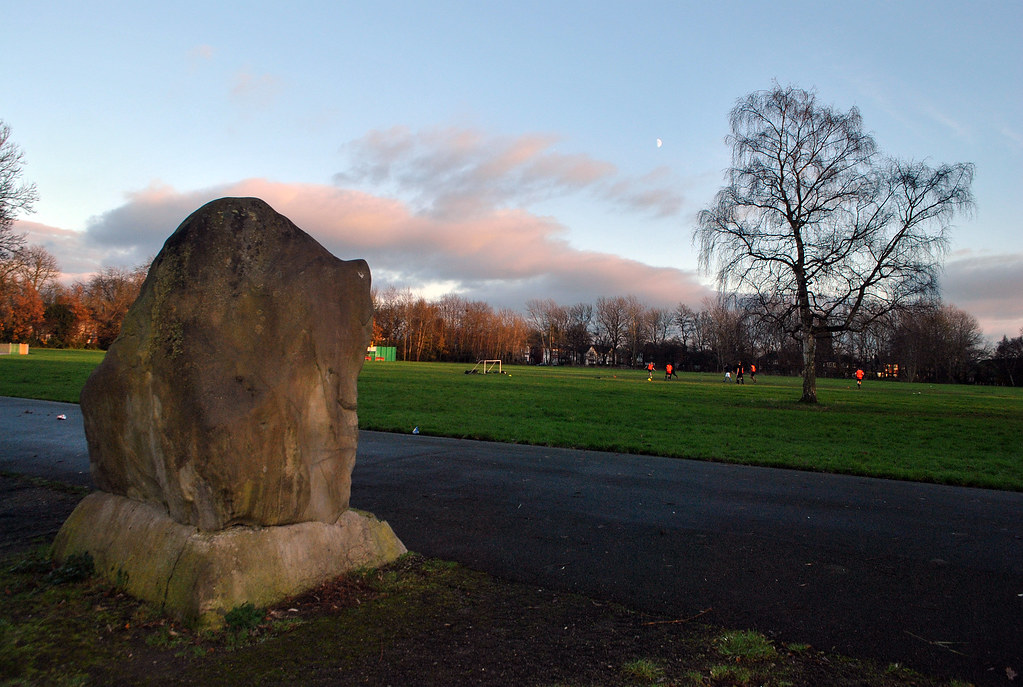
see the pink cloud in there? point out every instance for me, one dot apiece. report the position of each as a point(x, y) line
point(504, 256)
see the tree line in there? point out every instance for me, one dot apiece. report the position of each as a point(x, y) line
point(924, 341)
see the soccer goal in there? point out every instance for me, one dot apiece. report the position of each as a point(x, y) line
point(485, 367)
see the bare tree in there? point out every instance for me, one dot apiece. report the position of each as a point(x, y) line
point(728, 331)
point(1008, 359)
point(611, 323)
point(38, 267)
point(549, 321)
point(814, 219)
point(15, 197)
point(108, 295)
point(578, 336)
point(661, 325)
point(686, 320)
point(635, 327)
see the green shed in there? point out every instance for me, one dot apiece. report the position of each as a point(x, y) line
point(382, 353)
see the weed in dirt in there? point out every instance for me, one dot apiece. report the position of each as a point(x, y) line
point(732, 675)
point(244, 618)
point(745, 645)
point(643, 670)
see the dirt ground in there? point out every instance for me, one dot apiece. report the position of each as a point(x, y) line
point(418, 623)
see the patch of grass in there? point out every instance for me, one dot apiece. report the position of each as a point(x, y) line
point(47, 374)
point(244, 618)
point(643, 670)
point(947, 434)
point(77, 567)
point(745, 645)
point(732, 675)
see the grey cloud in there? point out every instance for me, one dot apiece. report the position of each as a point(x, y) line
point(462, 173)
point(989, 287)
point(135, 231)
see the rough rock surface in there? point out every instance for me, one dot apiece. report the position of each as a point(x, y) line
point(230, 395)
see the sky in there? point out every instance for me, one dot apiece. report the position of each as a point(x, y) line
point(503, 151)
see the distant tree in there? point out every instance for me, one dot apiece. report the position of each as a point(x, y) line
point(686, 321)
point(21, 312)
point(549, 321)
point(513, 331)
point(636, 327)
point(660, 325)
point(814, 220)
point(611, 323)
point(390, 324)
point(15, 196)
point(1008, 359)
point(108, 295)
point(728, 331)
point(424, 323)
point(578, 336)
point(961, 343)
point(38, 267)
point(68, 322)
point(935, 342)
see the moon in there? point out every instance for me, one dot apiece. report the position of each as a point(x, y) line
point(659, 143)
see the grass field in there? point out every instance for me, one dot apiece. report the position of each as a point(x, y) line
point(51, 375)
point(961, 435)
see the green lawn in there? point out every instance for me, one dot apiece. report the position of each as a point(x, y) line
point(962, 435)
point(937, 433)
point(48, 374)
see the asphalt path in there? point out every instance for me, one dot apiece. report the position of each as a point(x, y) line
point(924, 575)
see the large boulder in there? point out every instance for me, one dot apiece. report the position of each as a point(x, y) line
point(222, 423)
point(230, 395)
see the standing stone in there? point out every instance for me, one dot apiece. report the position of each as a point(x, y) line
point(229, 399)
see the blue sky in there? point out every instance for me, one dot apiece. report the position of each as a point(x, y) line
point(504, 150)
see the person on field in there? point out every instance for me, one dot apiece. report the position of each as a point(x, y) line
point(669, 370)
point(650, 372)
point(738, 374)
point(859, 379)
point(753, 372)
point(728, 376)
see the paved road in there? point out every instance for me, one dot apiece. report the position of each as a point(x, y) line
point(925, 575)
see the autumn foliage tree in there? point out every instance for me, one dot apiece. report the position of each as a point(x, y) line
point(108, 295)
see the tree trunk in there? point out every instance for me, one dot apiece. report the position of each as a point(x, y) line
point(809, 367)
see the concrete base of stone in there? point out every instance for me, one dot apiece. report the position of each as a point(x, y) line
point(199, 576)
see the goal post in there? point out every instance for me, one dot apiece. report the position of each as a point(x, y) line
point(486, 367)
